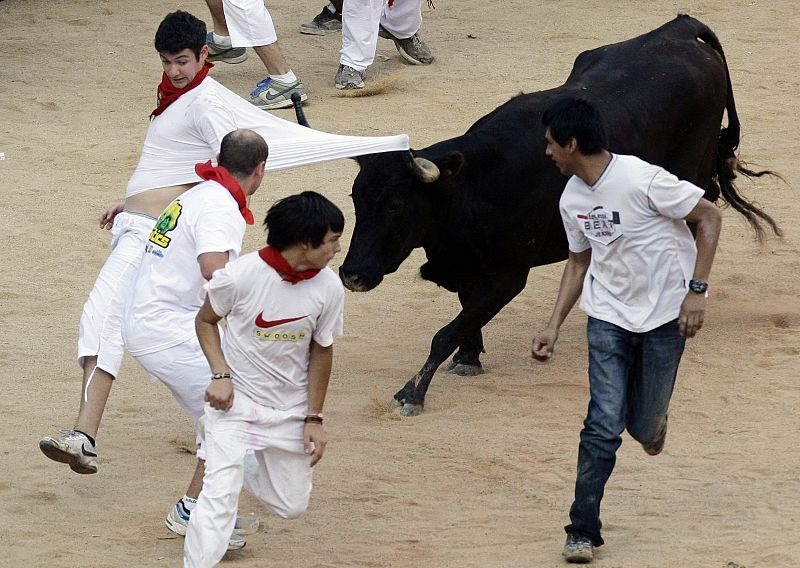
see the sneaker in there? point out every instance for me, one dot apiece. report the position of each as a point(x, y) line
point(73, 448)
point(413, 49)
point(349, 78)
point(324, 23)
point(224, 53)
point(270, 94)
point(177, 521)
point(578, 549)
point(656, 447)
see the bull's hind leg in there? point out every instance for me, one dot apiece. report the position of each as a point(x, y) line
point(477, 311)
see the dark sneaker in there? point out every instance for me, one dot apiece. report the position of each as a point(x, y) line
point(348, 78)
point(224, 53)
point(413, 49)
point(656, 447)
point(578, 549)
point(324, 23)
point(270, 94)
point(73, 448)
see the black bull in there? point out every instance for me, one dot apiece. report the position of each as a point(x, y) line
point(487, 211)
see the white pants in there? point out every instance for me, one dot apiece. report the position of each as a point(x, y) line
point(360, 20)
point(184, 370)
point(101, 322)
point(249, 23)
point(278, 473)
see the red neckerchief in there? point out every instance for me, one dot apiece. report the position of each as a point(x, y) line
point(275, 259)
point(168, 93)
point(223, 177)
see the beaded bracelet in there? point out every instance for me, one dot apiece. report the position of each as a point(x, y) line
point(315, 418)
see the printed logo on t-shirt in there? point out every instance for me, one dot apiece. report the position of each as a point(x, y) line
point(262, 325)
point(166, 223)
point(601, 225)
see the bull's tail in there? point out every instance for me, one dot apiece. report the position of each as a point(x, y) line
point(727, 163)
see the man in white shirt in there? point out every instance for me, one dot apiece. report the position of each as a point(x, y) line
point(269, 374)
point(642, 281)
point(188, 124)
point(197, 234)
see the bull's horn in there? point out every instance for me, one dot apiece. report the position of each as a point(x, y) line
point(424, 170)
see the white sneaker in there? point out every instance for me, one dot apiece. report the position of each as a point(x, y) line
point(178, 522)
point(73, 448)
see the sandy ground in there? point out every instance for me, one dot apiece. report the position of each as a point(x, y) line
point(484, 477)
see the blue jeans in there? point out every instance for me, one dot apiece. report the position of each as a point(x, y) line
point(631, 378)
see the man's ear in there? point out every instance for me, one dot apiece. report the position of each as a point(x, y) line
point(572, 145)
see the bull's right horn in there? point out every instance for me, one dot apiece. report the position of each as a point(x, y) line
point(424, 170)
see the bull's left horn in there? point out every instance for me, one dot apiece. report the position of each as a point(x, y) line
point(425, 170)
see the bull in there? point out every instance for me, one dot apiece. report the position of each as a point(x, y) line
point(484, 205)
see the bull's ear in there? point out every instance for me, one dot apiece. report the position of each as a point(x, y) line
point(451, 164)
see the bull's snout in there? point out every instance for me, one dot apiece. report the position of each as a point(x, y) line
point(355, 282)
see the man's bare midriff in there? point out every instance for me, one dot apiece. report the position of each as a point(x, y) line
point(153, 201)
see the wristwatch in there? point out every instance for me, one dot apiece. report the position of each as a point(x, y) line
point(698, 286)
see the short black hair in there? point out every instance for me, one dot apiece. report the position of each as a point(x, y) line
point(304, 218)
point(180, 30)
point(579, 119)
point(241, 151)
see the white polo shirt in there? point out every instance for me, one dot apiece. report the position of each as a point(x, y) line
point(643, 253)
point(270, 325)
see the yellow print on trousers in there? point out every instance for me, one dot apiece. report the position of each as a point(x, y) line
point(278, 335)
point(166, 223)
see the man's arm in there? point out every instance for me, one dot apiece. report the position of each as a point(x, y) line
point(319, 373)
point(210, 262)
point(219, 393)
point(707, 218)
point(568, 293)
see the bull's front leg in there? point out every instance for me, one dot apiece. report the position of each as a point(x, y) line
point(465, 329)
point(467, 360)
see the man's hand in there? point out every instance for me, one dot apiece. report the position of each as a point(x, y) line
point(107, 217)
point(543, 344)
point(219, 394)
point(315, 438)
point(693, 310)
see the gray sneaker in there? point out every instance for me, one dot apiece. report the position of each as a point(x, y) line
point(73, 448)
point(177, 520)
point(324, 23)
point(413, 49)
point(578, 549)
point(224, 53)
point(348, 78)
point(270, 94)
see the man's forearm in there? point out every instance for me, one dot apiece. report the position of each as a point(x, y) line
point(319, 373)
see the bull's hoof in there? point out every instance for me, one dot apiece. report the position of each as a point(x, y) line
point(411, 409)
point(462, 369)
point(394, 404)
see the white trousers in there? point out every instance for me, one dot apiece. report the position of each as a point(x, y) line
point(185, 371)
point(101, 321)
point(360, 20)
point(249, 23)
point(278, 472)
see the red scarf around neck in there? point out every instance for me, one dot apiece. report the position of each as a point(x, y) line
point(275, 259)
point(168, 93)
point(223, 177)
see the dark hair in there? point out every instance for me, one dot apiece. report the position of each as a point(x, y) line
point(304, 218)
point(178, 31)
point(241, 151)
point(579, 119)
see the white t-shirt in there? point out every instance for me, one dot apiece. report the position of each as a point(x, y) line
point(270, 324)
point(190, 130)
point(643, 253)
point(169, 288)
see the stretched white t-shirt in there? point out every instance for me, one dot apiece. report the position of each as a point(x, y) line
point(270, 325)
point(169, 288)
point(190, 130)
point(643, 253)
